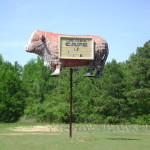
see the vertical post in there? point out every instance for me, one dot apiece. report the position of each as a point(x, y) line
point(71, 72)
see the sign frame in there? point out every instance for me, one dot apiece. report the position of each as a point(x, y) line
point(76, 43)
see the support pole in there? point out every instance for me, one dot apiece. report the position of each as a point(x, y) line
point(71, 72)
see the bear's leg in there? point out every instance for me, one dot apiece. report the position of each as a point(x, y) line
point(100, 67)
point(91, 70)
point(57, 70)
point(59, 65)
point(89, 73)
point(99, 72)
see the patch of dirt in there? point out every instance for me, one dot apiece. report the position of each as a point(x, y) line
point(46, 128)
point(29, 134)
point(82, 139)
point(79, 139)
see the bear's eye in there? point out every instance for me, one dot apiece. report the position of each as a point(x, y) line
point(43, 39)
point(33, 40)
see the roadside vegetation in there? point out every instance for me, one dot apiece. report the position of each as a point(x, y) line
point(122, 96)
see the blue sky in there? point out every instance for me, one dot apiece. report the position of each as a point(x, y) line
point(125, 24)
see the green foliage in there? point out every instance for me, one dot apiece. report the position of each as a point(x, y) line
point(113, 80)
point(11, 95)
point(138, 95)
point(139, 65)
point(122, 95)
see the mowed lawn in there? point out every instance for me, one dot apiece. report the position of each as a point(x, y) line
point(85, 137)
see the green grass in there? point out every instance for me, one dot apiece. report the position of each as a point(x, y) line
point(85, 137)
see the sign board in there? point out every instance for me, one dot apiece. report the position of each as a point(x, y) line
point(76, 47)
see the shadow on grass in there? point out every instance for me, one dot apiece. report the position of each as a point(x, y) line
point(130, 139)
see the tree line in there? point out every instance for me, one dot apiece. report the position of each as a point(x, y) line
point(121, 96)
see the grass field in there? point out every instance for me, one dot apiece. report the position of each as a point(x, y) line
point(85, 137)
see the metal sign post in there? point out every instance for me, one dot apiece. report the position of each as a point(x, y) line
point(71, 51)
point(71, 72)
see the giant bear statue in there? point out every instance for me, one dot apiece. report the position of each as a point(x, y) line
point(47, 45)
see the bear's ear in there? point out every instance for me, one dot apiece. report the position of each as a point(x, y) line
point(42, 38)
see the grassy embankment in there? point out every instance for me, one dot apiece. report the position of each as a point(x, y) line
point(85, 137)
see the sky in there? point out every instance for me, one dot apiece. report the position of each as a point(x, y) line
point(124, 24)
